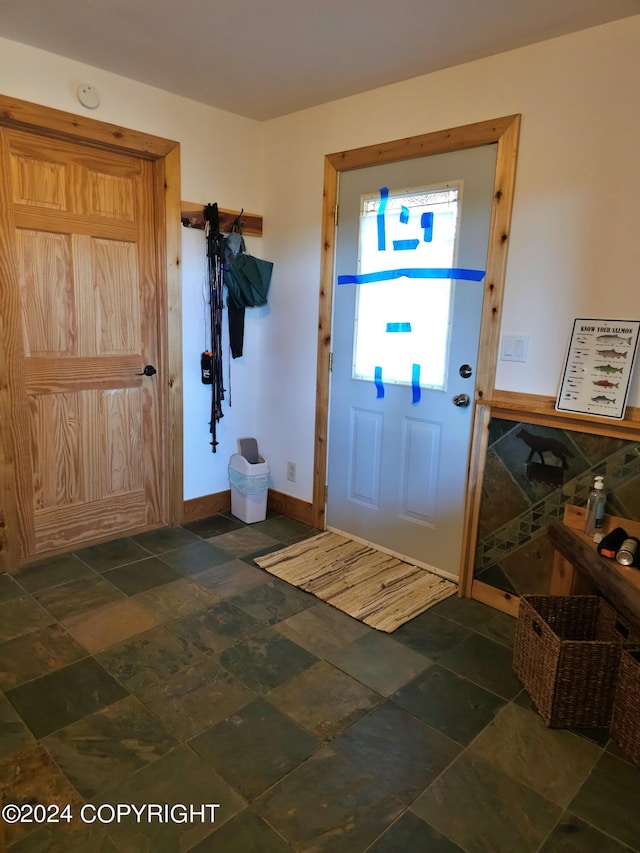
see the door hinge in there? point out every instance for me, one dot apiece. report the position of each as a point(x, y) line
point(326, 493)
point(330, 362)
point(335, 216)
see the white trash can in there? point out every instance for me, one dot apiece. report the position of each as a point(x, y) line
point(249, 483)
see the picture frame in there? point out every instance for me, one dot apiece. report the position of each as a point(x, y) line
point(598, 367)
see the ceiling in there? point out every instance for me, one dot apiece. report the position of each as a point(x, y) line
point(266, 58)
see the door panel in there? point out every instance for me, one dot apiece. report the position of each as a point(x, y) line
point(398, 450)
point(419, 468)
point(48, 314)
point(117, 305)
point(365, 443)
point(82, 233)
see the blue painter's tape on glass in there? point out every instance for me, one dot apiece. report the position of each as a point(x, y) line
point(427, 272)
point(377, 378)
point(415, 384)
point(398, 327)
point(403, 245)
point(404, 214)
point(382, 239)
point(426, 222)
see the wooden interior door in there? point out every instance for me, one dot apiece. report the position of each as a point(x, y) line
point(86, 426)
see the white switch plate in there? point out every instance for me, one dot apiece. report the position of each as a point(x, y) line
point(514, 348)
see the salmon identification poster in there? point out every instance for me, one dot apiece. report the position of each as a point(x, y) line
point(598, 369)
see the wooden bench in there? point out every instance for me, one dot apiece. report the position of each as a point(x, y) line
point(578, 569)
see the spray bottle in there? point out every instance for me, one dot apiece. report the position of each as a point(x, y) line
point(595, 509)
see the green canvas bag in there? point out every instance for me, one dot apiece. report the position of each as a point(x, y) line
point(247, 278)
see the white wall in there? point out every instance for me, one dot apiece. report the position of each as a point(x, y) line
point(220, 162)
point(574, 248)
point(575, 240)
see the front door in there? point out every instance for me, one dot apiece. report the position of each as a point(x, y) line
point(85, 419)
point(411, 249)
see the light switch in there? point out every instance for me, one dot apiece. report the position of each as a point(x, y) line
point(514, 348)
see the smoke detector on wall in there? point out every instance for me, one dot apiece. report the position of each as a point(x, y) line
point(88, 96)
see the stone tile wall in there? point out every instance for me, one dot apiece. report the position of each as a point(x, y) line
point(531, 472)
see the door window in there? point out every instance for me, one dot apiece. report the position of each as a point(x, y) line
point(402, 316)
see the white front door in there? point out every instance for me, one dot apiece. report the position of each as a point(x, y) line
point(411, 250)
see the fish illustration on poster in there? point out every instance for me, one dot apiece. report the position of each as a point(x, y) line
point(598, 368)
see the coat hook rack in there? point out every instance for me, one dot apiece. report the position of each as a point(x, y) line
point(192, 216)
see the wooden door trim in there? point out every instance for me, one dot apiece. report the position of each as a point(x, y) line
point(505, 132)
point(165, 157)
point(46, 121)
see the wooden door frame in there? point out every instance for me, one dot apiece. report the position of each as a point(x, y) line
point(505, 132)
point(164, 155)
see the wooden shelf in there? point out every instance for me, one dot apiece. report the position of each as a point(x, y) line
point(533, 408)
point(192, 216)
point(577, 552)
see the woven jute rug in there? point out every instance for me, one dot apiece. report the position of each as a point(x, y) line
point(379, 590)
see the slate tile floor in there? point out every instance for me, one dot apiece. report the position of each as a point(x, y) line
point(168, 668)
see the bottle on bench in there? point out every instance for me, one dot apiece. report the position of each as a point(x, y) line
point(595, 510)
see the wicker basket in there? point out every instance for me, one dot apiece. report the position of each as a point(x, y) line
point(567, 652)
point(625, 723)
